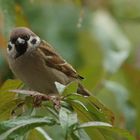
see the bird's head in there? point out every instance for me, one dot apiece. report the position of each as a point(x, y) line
point(22, 40)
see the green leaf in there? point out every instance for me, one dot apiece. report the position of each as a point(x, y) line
point(89, 108)
point(38, 134)
point(60, 87)
point(67, 118)
point(8, 100)
point(11, 84)
point(102, 109)
point(80, 134)
point(70, 88)
point(122, 132)
point(81, 104)
point(93, 110)
point(108, 127)
point(18, 127)
point(89, 124)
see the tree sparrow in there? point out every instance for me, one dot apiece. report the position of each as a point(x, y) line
point(37, 64)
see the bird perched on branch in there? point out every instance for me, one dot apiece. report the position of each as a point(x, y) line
point(37, 64)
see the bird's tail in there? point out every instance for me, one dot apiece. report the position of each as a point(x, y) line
point(82, 90)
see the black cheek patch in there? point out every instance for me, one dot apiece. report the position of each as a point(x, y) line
point(9, 47)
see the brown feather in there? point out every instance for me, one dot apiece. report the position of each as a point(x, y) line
point(54, 60)
point(20, 32)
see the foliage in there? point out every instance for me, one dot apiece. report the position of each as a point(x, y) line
point(101, 40)
point(76, 114)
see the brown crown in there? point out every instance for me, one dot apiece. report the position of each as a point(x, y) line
point(20, 32)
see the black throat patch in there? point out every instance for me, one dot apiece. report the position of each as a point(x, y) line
point(21, 48)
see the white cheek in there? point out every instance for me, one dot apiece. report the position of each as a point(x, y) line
point(12, 51)
point(37, 41)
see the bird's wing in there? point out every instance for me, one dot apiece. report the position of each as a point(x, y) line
point(54, 60)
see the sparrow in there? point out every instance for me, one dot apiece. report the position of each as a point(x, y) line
point(37, 64)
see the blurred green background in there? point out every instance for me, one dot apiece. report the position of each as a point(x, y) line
point(100, 38)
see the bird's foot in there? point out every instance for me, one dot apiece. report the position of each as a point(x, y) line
point(37, 100)
point(57, 102)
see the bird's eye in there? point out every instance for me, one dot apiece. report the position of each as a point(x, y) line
point(33, 41)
